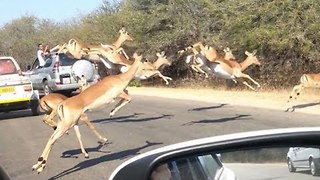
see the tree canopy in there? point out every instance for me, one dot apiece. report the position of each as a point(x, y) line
point(285, 33)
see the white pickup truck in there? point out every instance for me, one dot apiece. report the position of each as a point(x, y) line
point(16, 90)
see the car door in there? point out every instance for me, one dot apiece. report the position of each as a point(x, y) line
point(46, 71)
point(302, 156)
point(34, 74)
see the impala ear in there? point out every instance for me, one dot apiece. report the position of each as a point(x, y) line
point(162, 53)
point(122, 30)
point(158, 54)
point(254, 52)
point(247, 53)
point(225, 50)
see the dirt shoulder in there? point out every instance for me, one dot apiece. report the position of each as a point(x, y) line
point(309, 102)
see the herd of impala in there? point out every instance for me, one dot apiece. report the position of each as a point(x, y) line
point(201, 58)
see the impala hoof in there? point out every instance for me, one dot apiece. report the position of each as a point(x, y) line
point(105, 141)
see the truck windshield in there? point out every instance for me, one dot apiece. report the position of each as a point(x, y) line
point(7, 67)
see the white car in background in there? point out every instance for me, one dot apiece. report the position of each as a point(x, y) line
point(16, 90)
point(304, 158)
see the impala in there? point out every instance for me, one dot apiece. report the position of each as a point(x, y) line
point(124, 36)
point(197, 64)
point(306, 81)
point(210, 53)
point(94, 52)
point(50, 102)
point(149, 69)
point(228, 55)
point(228, 69)
point(95, 96)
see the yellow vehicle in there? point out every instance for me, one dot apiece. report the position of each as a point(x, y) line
point(16, 90)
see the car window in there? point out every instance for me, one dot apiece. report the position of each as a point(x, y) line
point(66, 61)
point(202, 167)
point(211, 164)
point(7, 67)
point(35, 64)
point(48, 62)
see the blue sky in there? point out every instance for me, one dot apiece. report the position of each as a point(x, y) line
point(57, 10)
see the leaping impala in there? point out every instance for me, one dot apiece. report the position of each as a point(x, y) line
point(50, 102)
point(229, 69)
point(79, 50)
point(197, 64)
point(146, 71)
point(149, 69)
point(97, 95)
point(306, 81)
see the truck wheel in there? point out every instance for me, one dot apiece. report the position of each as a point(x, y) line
point(314, 168)
point(46, 88)
point(290, 166)
point(35, 108)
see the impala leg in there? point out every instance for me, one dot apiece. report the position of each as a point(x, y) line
point(76, 129)
point(294, 94)
point(48, 119)
point(194, 68)
point(198, 67)
point(163, 77)
point(248, 77)
point(123, 52)
point(86, 120)
point(245, 83)
point(296, 91)
point(125, 99)
point(42, 160)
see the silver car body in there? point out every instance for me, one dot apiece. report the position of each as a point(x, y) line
point(304, 158)
point(57, 74)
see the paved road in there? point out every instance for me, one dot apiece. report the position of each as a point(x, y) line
point(146, 123)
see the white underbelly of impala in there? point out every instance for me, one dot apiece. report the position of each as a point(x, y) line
point(220, 72)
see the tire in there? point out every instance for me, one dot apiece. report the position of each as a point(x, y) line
point(35, 108)
point(290, 166)
point(314, 168)
point(46, 89)
point(67, 93)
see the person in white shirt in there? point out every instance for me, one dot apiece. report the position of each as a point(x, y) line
point(41, 55)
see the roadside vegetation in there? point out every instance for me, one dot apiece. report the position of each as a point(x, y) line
point(286, 34)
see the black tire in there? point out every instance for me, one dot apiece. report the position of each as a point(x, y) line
point(290, 166)
point(35, 108)
point(314, 168)
point(46, 88)
point(67, 93)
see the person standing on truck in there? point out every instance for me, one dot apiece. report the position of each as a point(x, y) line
point(41, 55)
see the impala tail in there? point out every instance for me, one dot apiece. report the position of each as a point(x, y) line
point(44, 105)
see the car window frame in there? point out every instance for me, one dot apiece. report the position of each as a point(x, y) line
point(48, 62)
point(13, 64)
